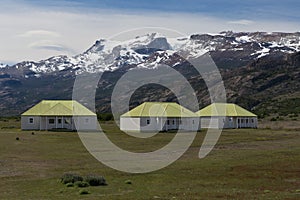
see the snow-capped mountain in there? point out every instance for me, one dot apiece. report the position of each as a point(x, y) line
point(108, 55)
point(2, 65)
point(256, 68)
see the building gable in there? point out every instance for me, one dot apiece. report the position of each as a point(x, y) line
point(58, 108)
point(224, 109)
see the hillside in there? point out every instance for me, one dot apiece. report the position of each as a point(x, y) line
point(260, 71)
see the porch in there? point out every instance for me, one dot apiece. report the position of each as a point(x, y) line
point(56, 122)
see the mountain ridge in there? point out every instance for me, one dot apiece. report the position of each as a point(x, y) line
point(272, 57)
point(114, 53)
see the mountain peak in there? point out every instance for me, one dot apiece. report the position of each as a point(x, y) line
point(2, 65)
point(109, 54)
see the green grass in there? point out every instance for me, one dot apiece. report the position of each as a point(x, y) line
point(245, 164)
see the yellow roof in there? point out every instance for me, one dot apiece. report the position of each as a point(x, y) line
point(159, 109)
point(224, 109)
point(58, 108)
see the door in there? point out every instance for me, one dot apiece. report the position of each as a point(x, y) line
point(59, 123)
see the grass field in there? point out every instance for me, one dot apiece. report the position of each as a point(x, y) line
point(245, 164)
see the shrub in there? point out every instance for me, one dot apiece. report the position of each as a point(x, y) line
point(273, 119)
point(105, 117)
point(83, 191)
point(70, 185)
point(81, 184)
point(70, 178)
point(95, 180)
point(261, 139)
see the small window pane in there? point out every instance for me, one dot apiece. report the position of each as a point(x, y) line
point(51, 121)
point(68, 121)
point(30, 120)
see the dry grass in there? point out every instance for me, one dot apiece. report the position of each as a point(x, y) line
point(246, 164)
point(285, 124)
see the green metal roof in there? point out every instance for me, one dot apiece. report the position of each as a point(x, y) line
point(159, 109)
point(224, 109)
point(58, 108)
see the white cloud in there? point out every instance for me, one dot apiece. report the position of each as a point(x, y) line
point(24, 31)
point(241, 22)
point(39, 33)
point(52, 46)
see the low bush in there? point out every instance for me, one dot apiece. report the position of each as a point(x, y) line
point(81, 184)
point(273, 119)
point(105, 117)
point(95, 180)
point(70, 185)
point(70, 178)
point(83, 191)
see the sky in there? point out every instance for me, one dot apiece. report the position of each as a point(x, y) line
point(32, 30)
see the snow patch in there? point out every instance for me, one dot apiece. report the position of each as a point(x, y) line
point(262, 53)
point(237, 49)
point(244, 39)
point(2, 65)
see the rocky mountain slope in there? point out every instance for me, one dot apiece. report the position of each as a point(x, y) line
point(257, 68)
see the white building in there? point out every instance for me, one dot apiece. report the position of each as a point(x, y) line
point(59, 114)
point(159, 116)
point(226, 115)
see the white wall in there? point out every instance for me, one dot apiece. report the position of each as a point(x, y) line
point(87, 123)
point(209, 122)
point(42, 123)
point(154, 124)
point(130, 124)
point(158, 124)
point(25, 125)
point(228, 122)
point(190, 124)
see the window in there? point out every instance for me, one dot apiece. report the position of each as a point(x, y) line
point(168, 122)
point(148, 121)
point(173, 121)
point(59, 121)
point(51, 121)
point(180, 121)
point(193, 121)
point(247, 121)
point(86, 120)
point(68, 121)
point(30, 120)
point(230, 119)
